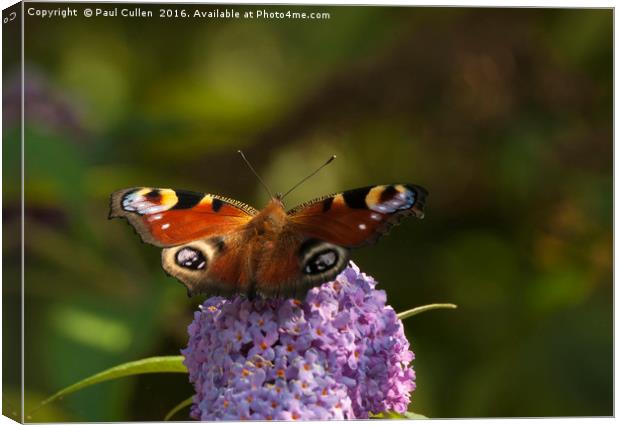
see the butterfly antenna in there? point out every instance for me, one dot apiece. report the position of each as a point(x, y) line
point(255, 173)
point(312, 174)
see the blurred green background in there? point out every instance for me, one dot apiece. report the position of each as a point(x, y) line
point(504, 115)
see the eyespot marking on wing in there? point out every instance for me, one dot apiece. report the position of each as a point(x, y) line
point(390, 198)
point(321, 262)
point(318, 257)
point(149, 201)
point(190, 258)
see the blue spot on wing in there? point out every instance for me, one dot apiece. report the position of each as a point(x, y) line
point(397, 201)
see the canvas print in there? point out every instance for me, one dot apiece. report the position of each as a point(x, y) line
point(306, 212)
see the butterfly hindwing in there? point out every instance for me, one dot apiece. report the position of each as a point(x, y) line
point(214, 266)
point(301, 264)
point(360, 216)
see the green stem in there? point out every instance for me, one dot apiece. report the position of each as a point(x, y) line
point(406, 314)
point(187, 402)
point(161, 364)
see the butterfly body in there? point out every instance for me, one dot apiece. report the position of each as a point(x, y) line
point(216, 245)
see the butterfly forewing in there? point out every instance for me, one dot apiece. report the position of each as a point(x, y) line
point(168, 217)
point(358, 217)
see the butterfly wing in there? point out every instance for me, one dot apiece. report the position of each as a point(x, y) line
point(202, 235)
point(314, 246)
point(168, 217)
point(294, 263)
point(360, 216)
point(220, 265)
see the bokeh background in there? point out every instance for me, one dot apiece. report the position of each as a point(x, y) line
point(505, 115)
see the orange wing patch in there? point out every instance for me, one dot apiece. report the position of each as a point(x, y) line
point(360, 216)
point(168, 217)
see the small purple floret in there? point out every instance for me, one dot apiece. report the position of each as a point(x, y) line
point(340, 354)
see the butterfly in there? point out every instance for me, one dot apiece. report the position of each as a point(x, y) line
point(216, 245)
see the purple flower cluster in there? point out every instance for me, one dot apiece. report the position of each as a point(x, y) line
point(340, 354)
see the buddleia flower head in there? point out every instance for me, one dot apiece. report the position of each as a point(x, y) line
point(339, 354)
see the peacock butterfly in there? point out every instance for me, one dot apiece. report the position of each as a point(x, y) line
point(216, 245)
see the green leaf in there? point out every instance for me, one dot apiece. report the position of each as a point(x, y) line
point(187, 402)
point(395, 415)
point(161, 364)
point(406, 314)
